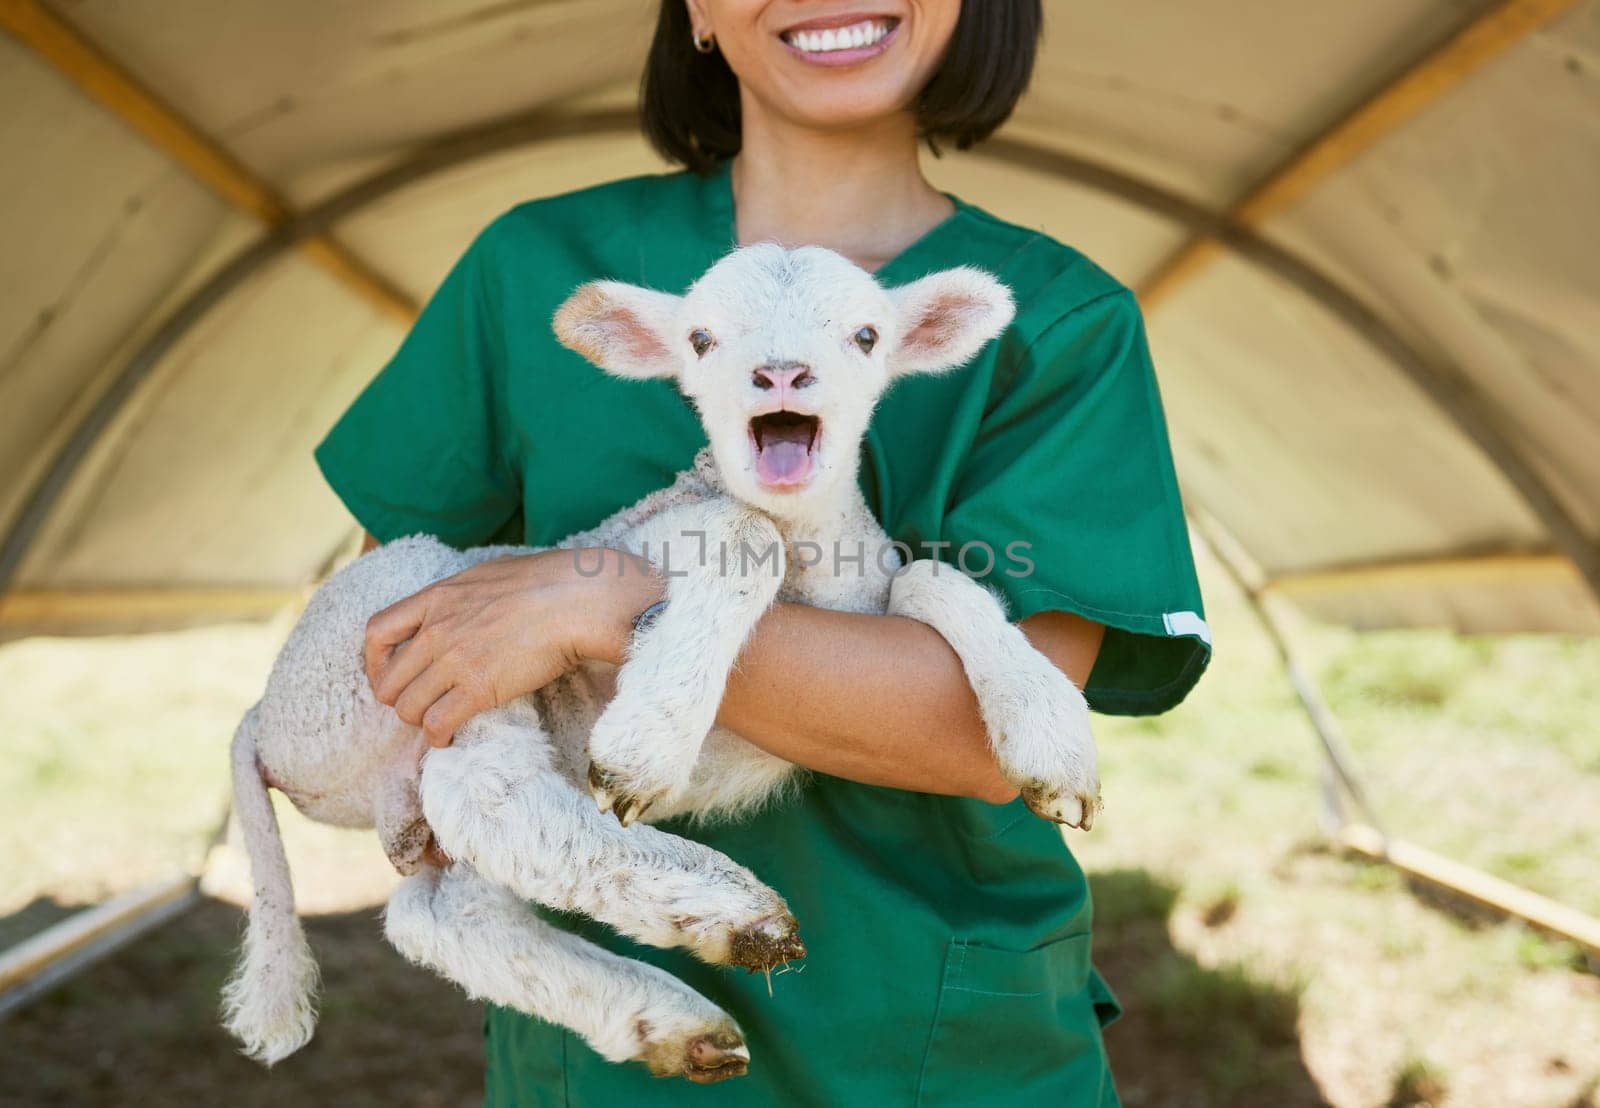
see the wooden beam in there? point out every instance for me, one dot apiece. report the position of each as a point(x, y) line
point(1493, 569)
point(106, 81)
point(1475, 45)
point(520, 132)
point(90, 607)
point(1480, 888)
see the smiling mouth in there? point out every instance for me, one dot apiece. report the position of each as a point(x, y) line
point(855, 39)
point(785, 446)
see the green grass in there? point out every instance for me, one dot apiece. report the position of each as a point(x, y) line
point(113, 755)
point(1482, 749)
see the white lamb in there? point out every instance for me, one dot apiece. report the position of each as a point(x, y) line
point(784, 353)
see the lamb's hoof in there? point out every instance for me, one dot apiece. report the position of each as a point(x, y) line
point(1062, 805)
point(704, 1058)
point(412, 847)
point(612, 796)
point(767, 943)
point(717, 1057)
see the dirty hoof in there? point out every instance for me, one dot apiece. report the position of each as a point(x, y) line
point(717, 1057)
point(1061, 806)
point(767, 943)
point(705, 1058)
point(613, 796)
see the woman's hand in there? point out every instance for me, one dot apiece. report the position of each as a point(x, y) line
point(501, 630)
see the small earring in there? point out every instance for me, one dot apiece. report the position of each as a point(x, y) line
point(704, 45)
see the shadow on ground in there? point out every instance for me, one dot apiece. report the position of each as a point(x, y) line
point(140, 1029)
point(31, 919)
point(1191, 1037)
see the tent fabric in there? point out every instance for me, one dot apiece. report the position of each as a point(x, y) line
point(1470, 227)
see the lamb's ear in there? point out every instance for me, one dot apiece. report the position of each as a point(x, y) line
point(623, 329)
point(946, 317)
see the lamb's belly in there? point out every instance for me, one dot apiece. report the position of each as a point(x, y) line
point(348, 807)
point(329, 763)
point(569, 707)
point(731, 776)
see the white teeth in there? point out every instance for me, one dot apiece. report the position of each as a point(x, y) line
point(853, 37)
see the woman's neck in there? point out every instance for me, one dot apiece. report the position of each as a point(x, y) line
point(860, 192)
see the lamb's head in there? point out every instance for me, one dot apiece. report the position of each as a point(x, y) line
point(785, 353)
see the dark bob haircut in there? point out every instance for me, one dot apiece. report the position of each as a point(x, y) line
point(689, 102)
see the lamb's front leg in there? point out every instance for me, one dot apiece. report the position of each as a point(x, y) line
point(492, 800)
point(484, 939)
point(1037, 719)
point(724, 571)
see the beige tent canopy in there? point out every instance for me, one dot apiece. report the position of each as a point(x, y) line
point(1365, 234)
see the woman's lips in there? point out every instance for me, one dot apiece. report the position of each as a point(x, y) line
point(841, 41)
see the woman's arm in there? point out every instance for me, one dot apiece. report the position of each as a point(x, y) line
point(880, 699)
point(877, 699)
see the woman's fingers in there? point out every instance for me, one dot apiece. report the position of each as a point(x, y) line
point(440, 700)
point(421, 692)
point(441, 722)
point(490, 633)
point(387, 630)
point(405, 664)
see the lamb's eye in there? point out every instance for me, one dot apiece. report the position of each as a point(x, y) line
point(702, 341)
point(866, 338)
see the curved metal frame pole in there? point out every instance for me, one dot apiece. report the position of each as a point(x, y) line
point(1447, 388)
point(1338, 761)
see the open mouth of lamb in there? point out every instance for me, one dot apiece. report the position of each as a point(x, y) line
point(785, 447)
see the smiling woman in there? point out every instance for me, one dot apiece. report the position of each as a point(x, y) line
point(948, 928)
point(957, 68)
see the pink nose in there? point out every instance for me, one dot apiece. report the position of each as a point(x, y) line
point(782, 375)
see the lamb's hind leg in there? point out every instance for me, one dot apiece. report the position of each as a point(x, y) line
point(492, 800)
point(1037, 720)
point(397, 811)
point(481, 937)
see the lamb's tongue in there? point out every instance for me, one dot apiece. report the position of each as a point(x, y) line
point(785, 456)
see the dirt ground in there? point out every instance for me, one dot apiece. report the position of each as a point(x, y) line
point(140, 1029)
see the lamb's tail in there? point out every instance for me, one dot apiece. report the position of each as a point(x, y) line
point(269, 1002)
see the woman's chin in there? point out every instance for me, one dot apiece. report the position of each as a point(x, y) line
point(841, 99)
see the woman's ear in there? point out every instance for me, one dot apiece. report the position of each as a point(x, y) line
point(699, 23)
point(946, 317)
point(623, 329)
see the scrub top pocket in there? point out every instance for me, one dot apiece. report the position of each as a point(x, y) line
point(1016, 1028)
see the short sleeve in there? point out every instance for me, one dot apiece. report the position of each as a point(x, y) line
point(1072, 464)
point(420, 450)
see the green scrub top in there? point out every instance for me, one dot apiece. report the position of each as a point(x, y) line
point(949, 938)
